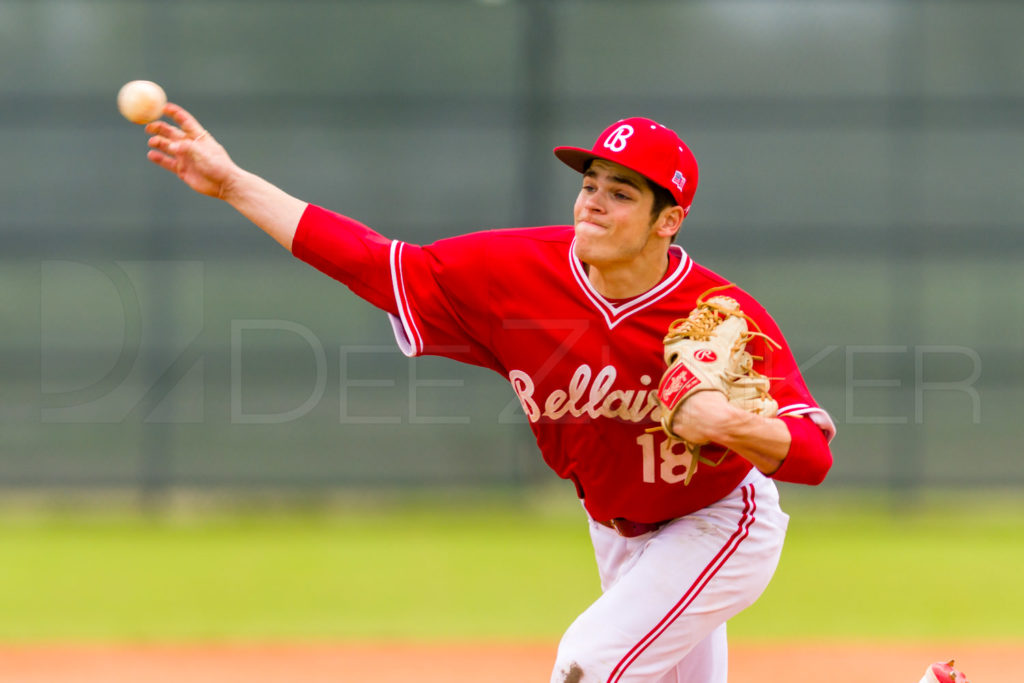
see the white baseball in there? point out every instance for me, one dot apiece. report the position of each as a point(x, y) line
point(141, 101)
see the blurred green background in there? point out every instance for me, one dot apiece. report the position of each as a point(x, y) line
point(861, 168)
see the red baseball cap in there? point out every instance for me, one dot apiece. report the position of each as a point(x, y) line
point(647, 147)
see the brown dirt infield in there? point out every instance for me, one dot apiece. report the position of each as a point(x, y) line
point(453, 663)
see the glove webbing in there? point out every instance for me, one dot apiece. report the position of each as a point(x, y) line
point(700, 327)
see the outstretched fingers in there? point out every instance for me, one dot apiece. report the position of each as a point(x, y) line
point(165, 143)
point(162, 160)
point(166, 130)
point(188, 123)
point(183, 147)
point(169, 146)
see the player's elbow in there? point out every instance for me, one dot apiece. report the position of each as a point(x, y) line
point(799, 470)
point(819, 460)
point(817, 474)
point(809, 458)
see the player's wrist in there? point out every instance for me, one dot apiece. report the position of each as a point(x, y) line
point(703, 417)
point(232, 186)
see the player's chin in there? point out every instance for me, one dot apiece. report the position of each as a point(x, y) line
point(590, 253)
point(589, 236)
point(583, 244)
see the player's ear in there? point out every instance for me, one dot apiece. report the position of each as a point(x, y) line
point(669, 221)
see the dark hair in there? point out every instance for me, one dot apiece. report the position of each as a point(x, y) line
point(662, 199)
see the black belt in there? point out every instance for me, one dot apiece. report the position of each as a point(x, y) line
point(629, 529)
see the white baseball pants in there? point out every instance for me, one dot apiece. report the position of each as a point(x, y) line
point(668, 594)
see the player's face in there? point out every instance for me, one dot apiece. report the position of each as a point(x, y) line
point(612, 216)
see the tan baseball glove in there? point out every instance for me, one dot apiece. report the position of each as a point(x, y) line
point(706, 351)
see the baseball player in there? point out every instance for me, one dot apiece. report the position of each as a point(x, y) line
point(682, 508)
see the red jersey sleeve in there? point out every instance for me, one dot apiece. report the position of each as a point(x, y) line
point(444, 293)
point(809, 458)
point(436, 295)
point(349, 252)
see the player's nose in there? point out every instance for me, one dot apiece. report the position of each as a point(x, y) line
point(592, 202)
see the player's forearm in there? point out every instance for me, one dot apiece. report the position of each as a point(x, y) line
point(272, 209)
point(792, 449)
point(765, 442)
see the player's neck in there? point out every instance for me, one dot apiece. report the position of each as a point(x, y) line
point(623, 281)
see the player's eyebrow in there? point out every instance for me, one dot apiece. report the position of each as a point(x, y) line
point(624, 180)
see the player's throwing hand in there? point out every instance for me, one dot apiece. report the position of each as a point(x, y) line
point(190, 152)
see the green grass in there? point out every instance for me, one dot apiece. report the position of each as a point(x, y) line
point(414, 573)
point(481, 572)
point(858, 569)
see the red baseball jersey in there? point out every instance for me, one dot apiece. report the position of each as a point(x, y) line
point(585, 368)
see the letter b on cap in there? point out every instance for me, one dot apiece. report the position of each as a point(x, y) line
point(616, 142)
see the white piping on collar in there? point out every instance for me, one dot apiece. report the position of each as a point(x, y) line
point(615, 313)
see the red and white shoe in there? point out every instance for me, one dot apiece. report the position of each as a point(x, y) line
point(943, 672)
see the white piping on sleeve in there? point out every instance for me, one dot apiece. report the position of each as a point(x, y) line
point(407, 336)
point(815, 414)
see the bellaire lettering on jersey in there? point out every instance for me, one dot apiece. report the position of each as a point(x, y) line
point(519, 302)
